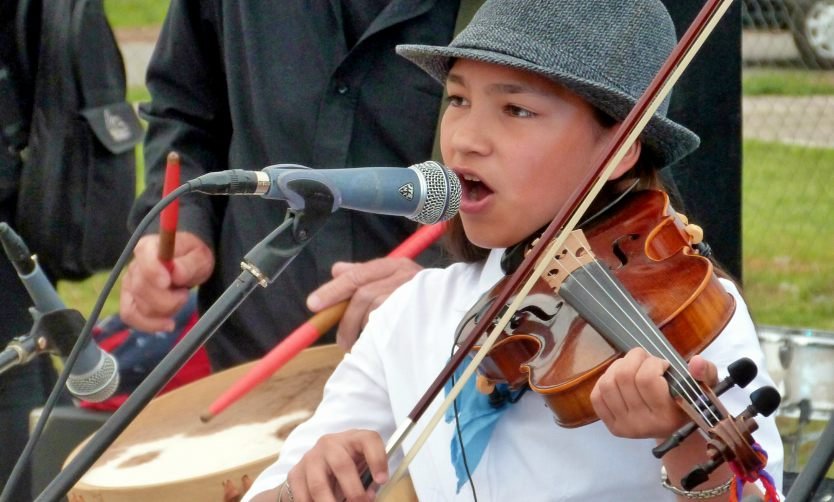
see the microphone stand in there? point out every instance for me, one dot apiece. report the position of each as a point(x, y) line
point(261, 266)
point(806, 484)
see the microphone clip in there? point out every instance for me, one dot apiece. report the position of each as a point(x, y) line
point(269, 257)
point(53, 332)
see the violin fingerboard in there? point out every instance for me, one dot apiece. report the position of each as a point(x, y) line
point(598, 296)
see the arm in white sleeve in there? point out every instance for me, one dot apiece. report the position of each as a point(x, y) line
point(355, 397)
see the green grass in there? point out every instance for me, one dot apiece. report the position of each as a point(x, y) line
point(768, 82)
point(138, 94)
point(135, 13)
point(787, 234)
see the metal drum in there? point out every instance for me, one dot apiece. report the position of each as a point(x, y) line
point(801, 361)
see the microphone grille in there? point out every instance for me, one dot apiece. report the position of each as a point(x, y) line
point(97, 384)
point(442, 200)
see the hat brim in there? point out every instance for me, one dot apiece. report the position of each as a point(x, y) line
point(667, 140)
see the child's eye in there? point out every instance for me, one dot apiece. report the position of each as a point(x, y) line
point(517, 111)
point(454, 100)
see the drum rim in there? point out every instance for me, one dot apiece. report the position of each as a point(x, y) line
point(798, 336)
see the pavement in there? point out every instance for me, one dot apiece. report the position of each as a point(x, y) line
point(137, 46)
point(803, 121)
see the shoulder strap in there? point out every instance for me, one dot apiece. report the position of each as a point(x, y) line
point(99, 71)
point(466, 12)
point(96, 60)
point(12, 126)
point(13, 78)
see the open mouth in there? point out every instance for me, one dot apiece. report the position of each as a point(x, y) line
point(473, 189)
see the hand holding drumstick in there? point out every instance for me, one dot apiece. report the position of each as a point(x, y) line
point(157, 282)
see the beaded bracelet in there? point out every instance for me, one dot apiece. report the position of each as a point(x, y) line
point(694, 494)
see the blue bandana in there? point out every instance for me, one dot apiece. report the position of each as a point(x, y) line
point(476, 419)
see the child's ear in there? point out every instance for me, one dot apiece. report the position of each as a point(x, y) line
point(629, 160)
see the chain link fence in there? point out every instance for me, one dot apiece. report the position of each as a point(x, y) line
point(788, 205)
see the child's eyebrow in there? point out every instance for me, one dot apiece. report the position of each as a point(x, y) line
point(454, 78)
point(514, 88)
point(502, 87)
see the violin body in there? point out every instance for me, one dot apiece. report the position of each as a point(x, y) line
point(553, 349)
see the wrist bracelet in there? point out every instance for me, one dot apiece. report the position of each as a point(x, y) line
point(694, 494)
point(285, 488)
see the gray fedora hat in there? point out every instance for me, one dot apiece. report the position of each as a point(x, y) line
point(606, 51)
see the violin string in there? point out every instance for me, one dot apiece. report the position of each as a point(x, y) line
point(663, 348)
point(648, 326)
point(658, 342)
point(684, 383)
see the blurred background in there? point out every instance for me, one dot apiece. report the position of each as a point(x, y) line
point(788, 168)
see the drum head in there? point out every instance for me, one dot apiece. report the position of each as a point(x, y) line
point(169, 454)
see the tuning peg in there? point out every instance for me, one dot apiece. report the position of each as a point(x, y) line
point(674, 440)
point(700, 474)
point(765, 401)
point(742, 372)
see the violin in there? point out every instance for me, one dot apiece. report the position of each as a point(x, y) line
point(549, 343)
point(630, 278)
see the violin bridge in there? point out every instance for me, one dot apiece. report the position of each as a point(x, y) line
point(575, 254)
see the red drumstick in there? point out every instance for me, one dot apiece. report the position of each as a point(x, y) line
point(168, 220)
point(310, 331)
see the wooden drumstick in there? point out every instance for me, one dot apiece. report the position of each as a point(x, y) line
point(313, 329)
point(168, 220)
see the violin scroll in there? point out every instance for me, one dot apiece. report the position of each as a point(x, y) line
point(729, 438)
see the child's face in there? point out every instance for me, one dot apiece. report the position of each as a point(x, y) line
point(520, 144)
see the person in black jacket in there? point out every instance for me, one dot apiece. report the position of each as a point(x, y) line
point(246, 85)
point(22, 388)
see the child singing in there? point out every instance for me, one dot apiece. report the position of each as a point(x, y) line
point(535, 89)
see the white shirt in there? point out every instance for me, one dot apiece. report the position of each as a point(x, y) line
point(404, 346)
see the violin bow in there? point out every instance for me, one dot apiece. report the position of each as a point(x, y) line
point(554, 236)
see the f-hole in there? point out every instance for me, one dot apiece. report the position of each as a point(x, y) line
point(539, 313)
point(621, 255)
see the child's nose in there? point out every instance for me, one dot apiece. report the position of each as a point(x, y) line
point(471, 135)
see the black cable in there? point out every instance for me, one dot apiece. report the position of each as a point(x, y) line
point(460, 439)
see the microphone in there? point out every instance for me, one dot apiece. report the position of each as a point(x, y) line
point(427, 192)
point(95, 375)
